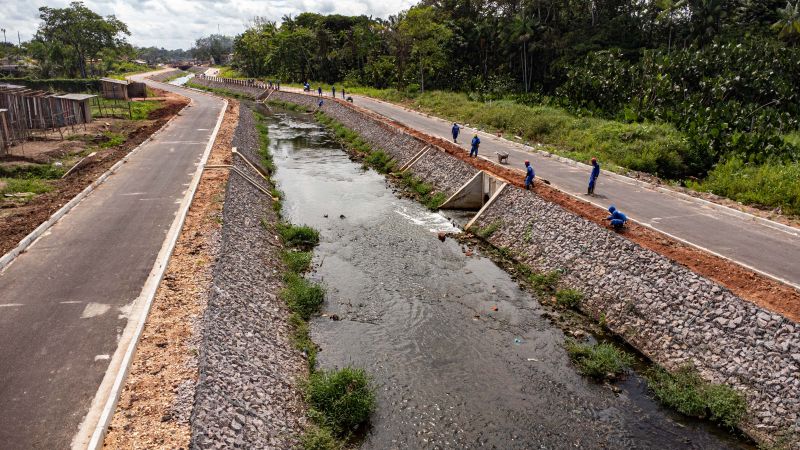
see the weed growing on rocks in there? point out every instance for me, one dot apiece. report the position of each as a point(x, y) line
point(287, 105)
point(487, 231)
point(263, 149)
point(297, 261)
point(319, 438)
point(300, 236)
point(600, 361)
point(545, 283)
point(689, 394)
point(302, 339)
point(569, 298)
point(303, 297)
point(340, 400)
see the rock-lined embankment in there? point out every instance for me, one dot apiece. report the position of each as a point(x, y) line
point(247, 88)
point(446, 173)
point(668, 312)
point(161, 76)
point(248, 394)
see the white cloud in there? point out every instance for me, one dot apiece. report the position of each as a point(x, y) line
point(177, 23)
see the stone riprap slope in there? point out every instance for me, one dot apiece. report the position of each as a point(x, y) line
point(166, 75)
point(447, 173)
point(248, 88)
point(668, 312)
point(248, 393)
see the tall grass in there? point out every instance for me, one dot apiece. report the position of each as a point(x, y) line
point(20, 185)
point(773, 184)
point(340, 400)
point(599, 361)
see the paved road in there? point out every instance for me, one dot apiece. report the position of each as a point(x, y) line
point(63, 303)
point(770, 250)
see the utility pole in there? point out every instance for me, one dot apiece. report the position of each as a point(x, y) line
point(19, 40)
point(4, 36)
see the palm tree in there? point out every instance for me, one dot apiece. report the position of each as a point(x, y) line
point(788, 27)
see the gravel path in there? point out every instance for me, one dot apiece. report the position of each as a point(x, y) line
point(248, 394)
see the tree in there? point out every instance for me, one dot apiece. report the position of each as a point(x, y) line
point(427, 38)
point(82, 31)
point(215, 47)
point(788, 27)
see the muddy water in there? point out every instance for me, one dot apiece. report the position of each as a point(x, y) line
point(460, 356)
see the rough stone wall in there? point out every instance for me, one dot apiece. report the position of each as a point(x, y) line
point(668, 312)
point(447, 173)
point(165, 75)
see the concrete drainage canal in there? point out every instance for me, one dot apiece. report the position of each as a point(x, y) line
point(459, 355)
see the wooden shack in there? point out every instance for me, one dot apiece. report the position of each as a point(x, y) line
point(122, 89)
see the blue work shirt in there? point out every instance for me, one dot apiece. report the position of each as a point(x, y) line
point(595, 171)
point(531, 173)
point(456, 129)
point(476, 142)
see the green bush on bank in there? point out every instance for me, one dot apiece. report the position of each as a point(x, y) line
point(301, 236)
point(601, 361)
point(341, 400)
point(569, 298)
point(689, 394)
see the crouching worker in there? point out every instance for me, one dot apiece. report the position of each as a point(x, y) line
point(617, 218)
point(530, 175)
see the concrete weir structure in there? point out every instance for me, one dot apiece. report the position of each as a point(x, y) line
point(671, 314)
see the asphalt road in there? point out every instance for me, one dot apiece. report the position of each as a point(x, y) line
point(64, 302)
point(771, 250)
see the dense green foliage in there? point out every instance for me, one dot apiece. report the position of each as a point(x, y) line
point(340, 400)
point(686, 392)
point(301, 236)
point(56, 84)
point(569, 298)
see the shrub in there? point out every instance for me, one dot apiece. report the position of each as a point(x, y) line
point(319, 438)
point(300, 236)
point(569, 298)
point(689, 394)
point(545, 283)
point(600, 360)
point(340, 399)
point(302, 296)
point(297, 261)
point(302, 340)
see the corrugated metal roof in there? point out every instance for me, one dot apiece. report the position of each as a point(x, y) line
point(75, 96)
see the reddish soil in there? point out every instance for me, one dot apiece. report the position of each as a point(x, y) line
point(20, 219)
point(758, 289)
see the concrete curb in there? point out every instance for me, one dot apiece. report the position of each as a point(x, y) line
point(34, 235)
point(103, 406)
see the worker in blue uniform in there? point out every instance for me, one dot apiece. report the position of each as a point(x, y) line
point(617, 218)
point(530, 175)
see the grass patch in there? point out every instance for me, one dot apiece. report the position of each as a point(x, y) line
point(341, 400)
point(229, 72)
point(218, 91)
point(319, 438)
point(600, 361)
point(32, 171)
point(20, 185)
point(303, 296)
point(263, 143)
point(689, 394)
point(773, 184)
point(382, 162)
point(424, 192)
point(112, 139)
point(487, 231)
point(297, 261)
point(301, 236)
point(569, 298)
point(302, 339)
point(545, 283)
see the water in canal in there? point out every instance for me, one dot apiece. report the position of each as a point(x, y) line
point(418, 315)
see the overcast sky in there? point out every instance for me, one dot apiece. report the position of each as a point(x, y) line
point(177, 23)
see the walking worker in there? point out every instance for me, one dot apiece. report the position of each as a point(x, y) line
point(455, 131)
point(333, 90)
point(530, 175)
point(593, 177)
point(617, 218)
point(342, 93)
point(319, 90)
point(476, 142)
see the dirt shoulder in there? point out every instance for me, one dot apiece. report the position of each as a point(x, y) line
point(19, 218)
point(156, 403)
point(759, 289)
